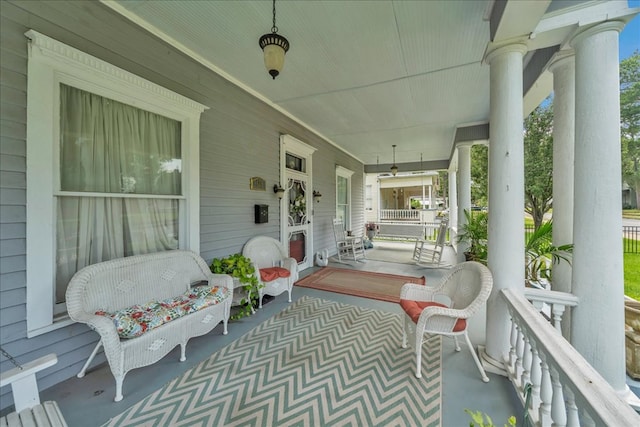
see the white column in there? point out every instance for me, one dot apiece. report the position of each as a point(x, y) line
point(597, 330)
point(464, 190)
point(506, 192)
point(563, 69)
point(453, 201)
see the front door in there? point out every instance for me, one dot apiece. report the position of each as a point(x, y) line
point(296, 209)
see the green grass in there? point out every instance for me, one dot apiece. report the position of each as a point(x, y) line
point(632, 275)
point(631, 213)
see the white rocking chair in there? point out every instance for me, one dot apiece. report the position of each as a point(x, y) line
point(428, 253)
point(24, 387)
point(347, 246)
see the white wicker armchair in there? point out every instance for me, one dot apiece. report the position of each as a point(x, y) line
point(266, 252)
point(444, 309)
point(125, 282)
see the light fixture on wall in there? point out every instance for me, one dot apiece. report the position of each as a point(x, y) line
point(274, 47)
point(316, 196)
point(278, 190)
point(394, 168)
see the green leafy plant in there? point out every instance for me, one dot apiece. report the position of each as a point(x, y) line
point(541, 254)
point(480, 419)
point(475, 233)
point(240, 267)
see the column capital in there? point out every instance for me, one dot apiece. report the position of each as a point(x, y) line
point(494, 52)
point(464, 144)
point(561, 59)
point(616, 26)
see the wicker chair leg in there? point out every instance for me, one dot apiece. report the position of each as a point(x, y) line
point(404, 333)
point(86, 364)
point(119, 381)
point(485, 378)
point(419, 336)
point(289, 290)
point(183, 352)
point(455, 340)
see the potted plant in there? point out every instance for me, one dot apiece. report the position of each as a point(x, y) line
point(372, 229)
point(475, 233)
point(541, 254)
point(240, 268)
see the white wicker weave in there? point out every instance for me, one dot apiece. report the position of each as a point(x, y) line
point(121, 283)
point(265, 252)
point(464, 291)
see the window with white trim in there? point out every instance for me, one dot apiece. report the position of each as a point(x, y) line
point(112, 171)
point(343, 195)
point(368, 197)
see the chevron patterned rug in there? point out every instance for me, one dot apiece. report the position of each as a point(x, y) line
point(317, 363)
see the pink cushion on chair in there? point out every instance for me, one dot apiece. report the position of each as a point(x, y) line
point(414, 309)
point(272, 273)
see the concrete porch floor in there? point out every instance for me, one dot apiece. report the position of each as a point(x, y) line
point(88, 401)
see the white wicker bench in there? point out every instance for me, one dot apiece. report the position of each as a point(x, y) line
point(122, 283)
point(28, 409)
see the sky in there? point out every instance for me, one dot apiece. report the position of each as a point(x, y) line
point(630, 36)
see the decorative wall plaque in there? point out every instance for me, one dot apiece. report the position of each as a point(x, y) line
point(257, 183)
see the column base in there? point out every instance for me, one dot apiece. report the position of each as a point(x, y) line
point(490, 364)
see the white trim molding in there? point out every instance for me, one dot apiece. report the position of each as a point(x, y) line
point(51, 63)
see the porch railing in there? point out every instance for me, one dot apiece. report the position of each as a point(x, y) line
point(400, 215)
point(563, 387)
point(404, 230)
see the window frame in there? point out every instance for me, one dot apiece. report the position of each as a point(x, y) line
point(342, 172)
point(51, 63)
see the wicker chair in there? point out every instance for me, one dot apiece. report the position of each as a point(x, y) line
point(270, 258)
point(444, 309)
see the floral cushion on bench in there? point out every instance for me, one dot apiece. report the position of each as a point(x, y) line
point(136, 320)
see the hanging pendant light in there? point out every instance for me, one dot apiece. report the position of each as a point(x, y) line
point(394, 168)
point(274, 47)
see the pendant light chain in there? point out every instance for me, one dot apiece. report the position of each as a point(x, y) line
point(274, 29)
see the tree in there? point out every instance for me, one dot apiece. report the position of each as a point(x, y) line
point(538, 162)
point(479, 174)
point(630, 121)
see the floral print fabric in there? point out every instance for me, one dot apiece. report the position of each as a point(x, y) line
point(136, 320)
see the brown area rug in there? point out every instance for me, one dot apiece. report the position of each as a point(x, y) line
point(380, 286)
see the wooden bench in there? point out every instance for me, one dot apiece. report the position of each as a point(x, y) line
point(28, 409)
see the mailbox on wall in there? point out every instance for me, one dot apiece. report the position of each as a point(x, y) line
point(262, 214)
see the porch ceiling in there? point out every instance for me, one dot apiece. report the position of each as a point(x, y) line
point(363, 74)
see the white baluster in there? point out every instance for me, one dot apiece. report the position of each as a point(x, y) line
point(558, 409)
point(512, 347)
point(558, 311)
point(572, 410)
point(545, 393)
point(536, 377)
point(526, 362)
point(519, 352)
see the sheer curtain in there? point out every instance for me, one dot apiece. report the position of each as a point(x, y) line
point(122, 157)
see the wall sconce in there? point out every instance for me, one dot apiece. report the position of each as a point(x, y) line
point(279, 191)
point(316, 196)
